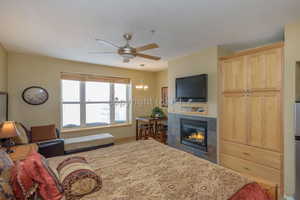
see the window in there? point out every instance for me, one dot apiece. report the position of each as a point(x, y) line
point(89, 102)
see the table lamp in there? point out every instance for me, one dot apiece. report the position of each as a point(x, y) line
point(8, 130)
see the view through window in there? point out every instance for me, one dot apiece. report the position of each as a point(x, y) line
point(94, 103)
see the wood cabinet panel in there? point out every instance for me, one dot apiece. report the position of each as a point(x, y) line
point(255, 120)
point(257, 74)
point(273, 68)
point(265, 120)
point(251, 113)
point(265, 70)
point(234, 118)
point(251, 168)
point(264, 157)
point(273, 126)
point(234, 75)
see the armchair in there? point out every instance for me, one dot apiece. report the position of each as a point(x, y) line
point(51, 148)
point(48, 148)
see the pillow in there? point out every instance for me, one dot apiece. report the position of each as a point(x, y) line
point(251, 191)
point(6, 190)
point(77, 178)
point(42, 133)
point(22, 138)
point(33, 176)
point(6, 165)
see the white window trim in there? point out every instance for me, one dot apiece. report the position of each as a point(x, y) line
point(83, 103)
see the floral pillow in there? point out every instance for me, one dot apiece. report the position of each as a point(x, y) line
point(5, 162)
point(32, 176)
point(22, 137)
point(5, 190)
point(6, 165)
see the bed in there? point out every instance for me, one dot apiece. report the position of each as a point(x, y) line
point(148, 170)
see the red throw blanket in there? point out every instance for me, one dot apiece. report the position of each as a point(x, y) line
point(251, 191)
point(33, 175)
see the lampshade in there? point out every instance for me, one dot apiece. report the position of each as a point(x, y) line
point(8, 130)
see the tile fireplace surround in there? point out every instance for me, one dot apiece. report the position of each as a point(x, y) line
point(174, 135)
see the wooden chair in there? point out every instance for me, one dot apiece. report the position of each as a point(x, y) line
point(146, 130)
point(161, 133)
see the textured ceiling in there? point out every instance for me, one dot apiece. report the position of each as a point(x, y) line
point(67, 28)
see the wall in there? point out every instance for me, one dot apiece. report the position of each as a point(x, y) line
point(297, 83)
point(3, 69)
point(161, 81)
point(292, 56)
point(29, 70)
point(205, 61)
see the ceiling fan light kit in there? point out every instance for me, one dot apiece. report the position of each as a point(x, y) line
point(128, 52)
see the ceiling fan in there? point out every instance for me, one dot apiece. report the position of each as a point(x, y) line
point(128, 52)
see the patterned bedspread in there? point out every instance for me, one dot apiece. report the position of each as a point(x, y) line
point(148, 170)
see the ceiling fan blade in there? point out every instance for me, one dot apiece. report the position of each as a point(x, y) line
point(147, 47)
point(148, 56)
point(107, 42)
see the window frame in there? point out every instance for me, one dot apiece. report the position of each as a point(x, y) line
point(82, 102)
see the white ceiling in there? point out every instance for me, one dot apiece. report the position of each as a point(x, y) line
point(67, 28)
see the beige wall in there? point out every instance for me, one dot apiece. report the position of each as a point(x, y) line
point(161, 81)
point(30, 70)
point(3, 69)
point(205, 61)
point(297, 89)
point(292, 56)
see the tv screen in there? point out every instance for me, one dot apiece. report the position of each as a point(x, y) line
point(192, 88)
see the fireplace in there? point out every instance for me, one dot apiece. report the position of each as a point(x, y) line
point(194, 133)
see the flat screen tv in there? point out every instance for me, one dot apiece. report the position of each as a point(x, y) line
point(192, 88)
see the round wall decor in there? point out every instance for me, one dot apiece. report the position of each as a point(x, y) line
point(35, 95)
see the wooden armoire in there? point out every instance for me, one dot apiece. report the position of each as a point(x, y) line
point(251, 135)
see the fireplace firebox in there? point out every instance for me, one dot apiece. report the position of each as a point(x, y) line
point(194, 133)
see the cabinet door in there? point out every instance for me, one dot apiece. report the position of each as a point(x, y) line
point(233, 75)
point(265, 120)
point(265, 70)
point(234, 118)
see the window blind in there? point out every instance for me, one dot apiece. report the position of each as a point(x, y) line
point(95, 78)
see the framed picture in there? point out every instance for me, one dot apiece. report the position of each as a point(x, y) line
point(164, 97)
point(35, 95)
point(3, 106)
